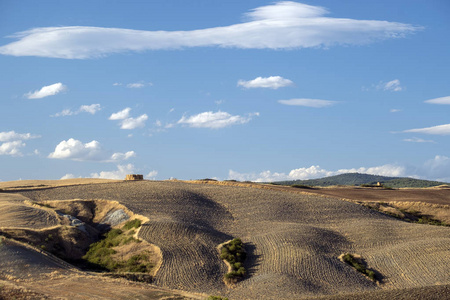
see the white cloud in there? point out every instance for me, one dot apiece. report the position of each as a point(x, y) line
point(136, 85)
point(314, 172)
point(437, 168)
point(283, 25)
point(92, 109)
point(272, 82)
point(127, 122)
point(418, 140)
point(13, 142)
point(132, 123)
point(393, 86)
point(215, 120)
point(6, 136)
point(117, 84)
point(123, 114)
point(394, 110)
point(49, 90)
point(76, 150)
point(308, 102)
point(439, 130)
point(151, 175)
point(68, 176)
point(120, 173)
point(441, 100)
point(11, 148)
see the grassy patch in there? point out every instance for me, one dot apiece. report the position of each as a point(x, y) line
point(136, 223)
point(234, 253)
point(216, 298)
point(359, 265)
point(100, 253)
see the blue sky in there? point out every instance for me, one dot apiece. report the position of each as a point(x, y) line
point(247, 90)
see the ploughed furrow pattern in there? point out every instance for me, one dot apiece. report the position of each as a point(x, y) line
point(190, 258)
point(304, 255)
point(17, 260)
point(293, 240)
point(12, 207)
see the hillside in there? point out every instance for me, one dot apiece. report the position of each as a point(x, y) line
point(359, 179)
point(293, 241)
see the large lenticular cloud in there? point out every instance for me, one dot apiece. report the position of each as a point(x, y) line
point(284, 25)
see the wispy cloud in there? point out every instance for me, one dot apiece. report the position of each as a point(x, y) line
point(315, 172)
point(91, 109)
point(272, 82)
point(12, 142)
point(308, 102)
point(441, 100)
point(393, 86)
point(48, 90)
point(127, 122)
point(215, 120)
point(418, 140)
point(438, 130)
point(283, 25)
point(394, 110)
point(93, 151)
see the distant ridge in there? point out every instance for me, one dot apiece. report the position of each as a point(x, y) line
point(366, 179)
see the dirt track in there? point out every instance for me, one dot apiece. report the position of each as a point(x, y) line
point(293, 239)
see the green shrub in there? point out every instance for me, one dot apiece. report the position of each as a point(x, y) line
point(136, 223)
point(359, 266)
point(234, 253)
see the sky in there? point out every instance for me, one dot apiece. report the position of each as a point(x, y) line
point(244, 90)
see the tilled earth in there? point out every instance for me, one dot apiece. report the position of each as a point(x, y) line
point(293, 240)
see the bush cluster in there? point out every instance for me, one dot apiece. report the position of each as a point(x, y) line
point(136, 223)
point(351, 260)
point(234, 253)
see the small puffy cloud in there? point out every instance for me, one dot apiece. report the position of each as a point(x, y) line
point(215, 120)
point(282, 25)
point(11, 148)
point(12, 142)
point(136, 85)
point(76, 150)
point(394, 110)
point(6, 136)
point(49, 90)
point(316, 103)
point(151, 175)
point(127, 122)
point(393, 86)
point(68, 176)
point(132, 123)
point(272, 82)
point(123, 156)
point(120, 173)
point(441, 100)
point(438, 130)
point(418, 140)
point(91, 109)
point(314, 172)
point(123, 114)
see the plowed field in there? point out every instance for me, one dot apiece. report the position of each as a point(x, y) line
point(293, 239)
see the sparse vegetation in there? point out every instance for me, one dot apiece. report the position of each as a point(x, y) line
point(216, 298)
point(136, 223)
point(359, 265)
point(234, 253)
point(100, 253)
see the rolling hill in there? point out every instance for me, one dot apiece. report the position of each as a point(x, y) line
point(359, 179)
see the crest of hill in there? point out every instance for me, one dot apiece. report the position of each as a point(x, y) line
point(353, 179)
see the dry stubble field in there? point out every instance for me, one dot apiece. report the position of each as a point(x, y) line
point(293, 240)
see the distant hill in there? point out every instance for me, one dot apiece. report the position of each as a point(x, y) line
point(366, 179)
